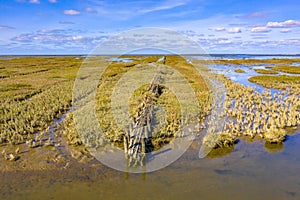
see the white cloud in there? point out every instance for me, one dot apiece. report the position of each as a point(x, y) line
point(285, 24)
point(58, 37)
point(47, 38)
point(34, 1)
point(220, 29)
point(234, 30)
point(77, 37)
point(71, 12)
point(224, 42)
point(52, 1)
point(285, 30)
point(260, 30)
point(90, 10)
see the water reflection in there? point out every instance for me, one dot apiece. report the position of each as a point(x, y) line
point(242, 78)
point(220, 152)
point(5, 58)
point(273, 148)
point(120, 59)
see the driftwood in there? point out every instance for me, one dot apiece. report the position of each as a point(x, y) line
point(137, 140)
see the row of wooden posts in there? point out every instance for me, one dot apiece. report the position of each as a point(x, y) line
point(137, 140)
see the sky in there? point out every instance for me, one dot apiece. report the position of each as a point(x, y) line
point(218, 26)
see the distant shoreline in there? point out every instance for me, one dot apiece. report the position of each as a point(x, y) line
point(212, 55)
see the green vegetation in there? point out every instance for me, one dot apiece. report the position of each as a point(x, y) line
point(288, 69)
point(278, 82)
point(30, 99)
point(219, 140)
point(239, 71)
point(166, 99)
point(275, 136)
point(252, 62)
point(34, 91)
point(265, 71)
point(249, 113)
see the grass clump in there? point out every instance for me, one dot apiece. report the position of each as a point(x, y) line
point(277, 82)
point(249, 62)
point(288, 69)
point(239, 71)
point(275, 136)
point(265, 71)
point(69, 131)
point(219, 140)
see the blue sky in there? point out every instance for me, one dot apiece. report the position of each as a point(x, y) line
point(78, 26)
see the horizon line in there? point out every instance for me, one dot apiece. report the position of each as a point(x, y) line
point(150, 54)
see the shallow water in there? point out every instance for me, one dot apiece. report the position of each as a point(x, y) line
point(249, 171)
point(5, 58)
point(120, 59)
point(243, 56)
point(242, 78)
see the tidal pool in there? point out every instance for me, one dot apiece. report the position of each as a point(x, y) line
point(120, 59)
point(242, 78)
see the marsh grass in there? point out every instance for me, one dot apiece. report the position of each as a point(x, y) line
point(37, 72)
point(266, 115)
point(281, 82)
point(275, 136)
point(239, 71)
point(35, 91)
point(288, 69)
point(265, 71)
point(251, 62)
point(29, 97)
point(166, 99)
point(16, 86)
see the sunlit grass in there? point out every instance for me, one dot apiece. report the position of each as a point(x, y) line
point(281, 82)
point(239, 71)
point(265, 71)
point(166, 99)
point(288, 69)
point(30, 98)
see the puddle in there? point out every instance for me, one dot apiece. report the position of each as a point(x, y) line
point(120, 59)
point(295, 64)
point(5, 58)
